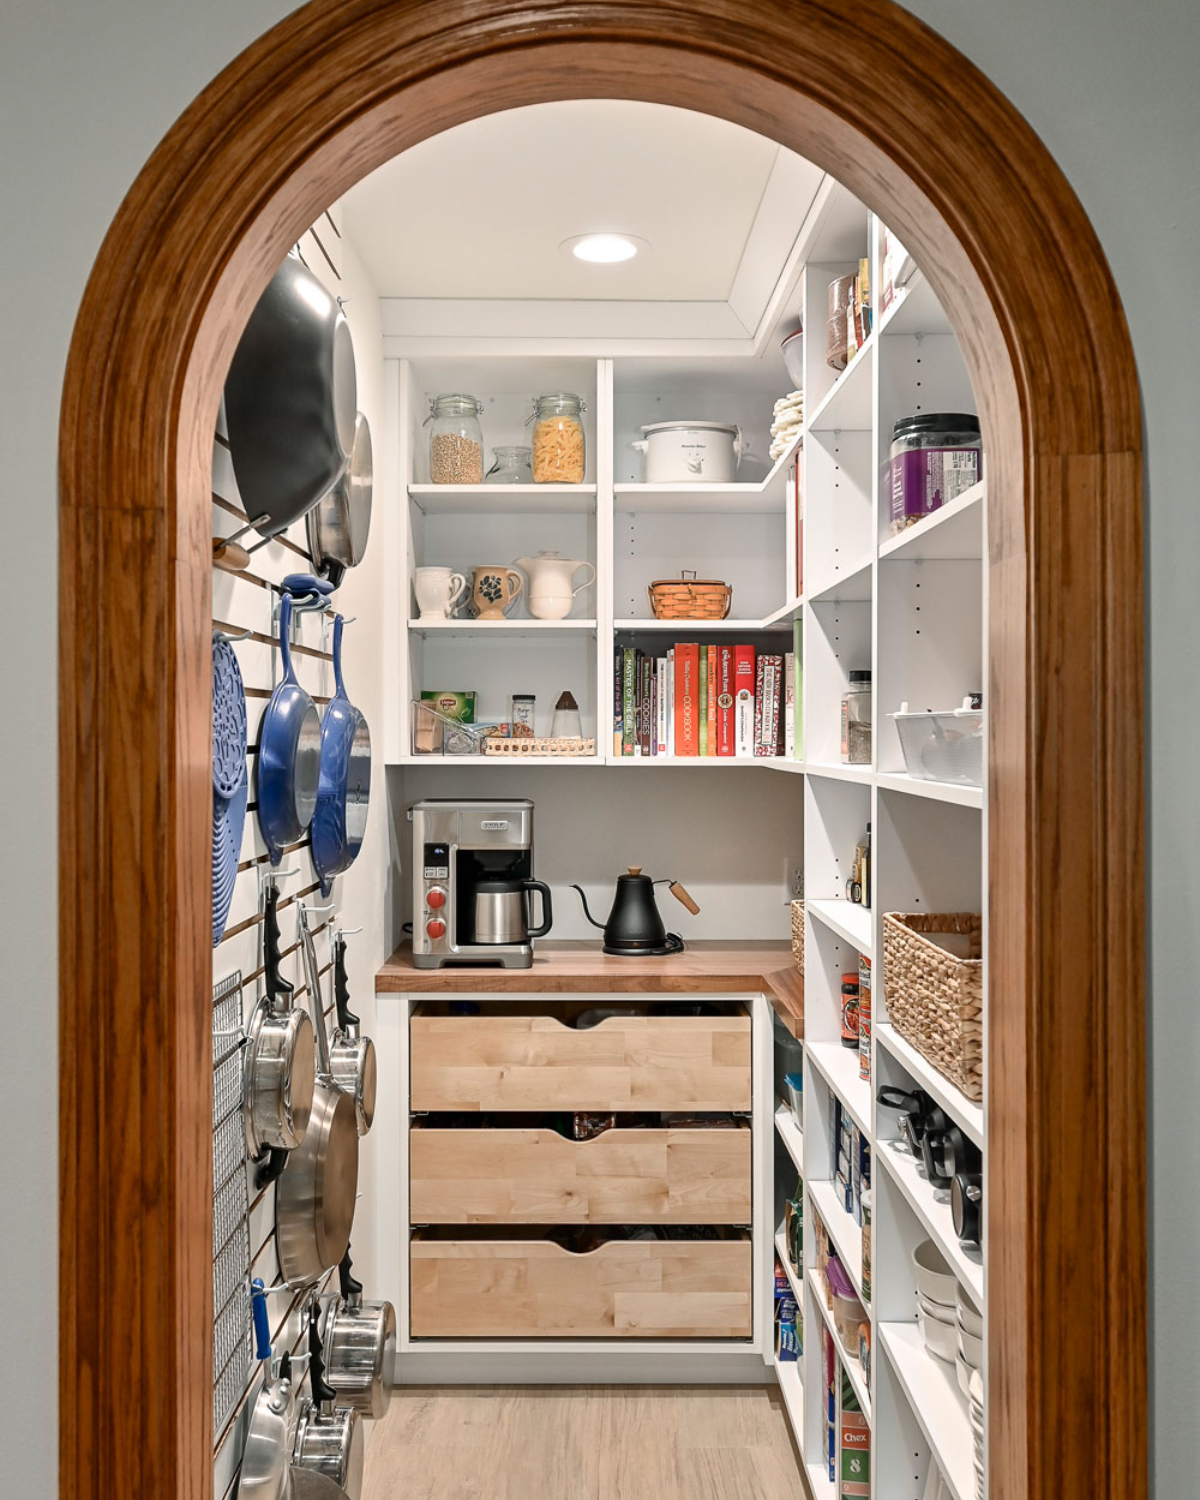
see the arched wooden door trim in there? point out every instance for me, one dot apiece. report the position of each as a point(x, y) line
point(916, 131)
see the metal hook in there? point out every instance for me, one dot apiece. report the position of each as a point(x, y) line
point(226, 635)
point(349, 931)
point(316, 910)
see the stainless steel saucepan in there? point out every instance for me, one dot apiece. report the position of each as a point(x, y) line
point(340, 522)
point(360, 1347)
point(315, 1193)
point(280, 1066)
point(351, 1055)
point(329, 1438)
point(266, 1471)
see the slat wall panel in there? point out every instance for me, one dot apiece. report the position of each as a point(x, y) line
point(248, 602)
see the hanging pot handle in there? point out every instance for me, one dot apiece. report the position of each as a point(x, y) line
point(322, 1392)
point(262, 1324)
point(341, 986)
point(276, 984)
point(351, 1289)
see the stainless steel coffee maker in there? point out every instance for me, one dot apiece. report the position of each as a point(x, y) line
point(473, 883)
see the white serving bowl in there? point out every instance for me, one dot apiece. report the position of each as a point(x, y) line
point(939, 1337)
point(933, 1274)
point(963, 1370)
point(971, 1349)
point(937, 1310)
point(969, 1316)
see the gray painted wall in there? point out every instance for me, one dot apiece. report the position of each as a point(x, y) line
point(86, 89)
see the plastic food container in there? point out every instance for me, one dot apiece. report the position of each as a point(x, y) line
point(935, 457)
point(435, 733)
point(943, 746)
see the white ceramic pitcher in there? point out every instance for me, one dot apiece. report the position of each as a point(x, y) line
point(438, 590)
point(550, 592)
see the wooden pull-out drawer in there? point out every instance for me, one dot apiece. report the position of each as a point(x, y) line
point(527, 1058)
point(679, 1176)
point(514, 1288)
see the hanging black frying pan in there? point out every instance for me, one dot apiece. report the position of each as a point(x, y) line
point(340, 522)
point(344, 788)
point(289, 753)
point(290, 399)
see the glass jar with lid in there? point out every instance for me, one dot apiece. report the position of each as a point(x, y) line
point(856, 720)
point(455, 439)
point(558, 447)
point(512, 466)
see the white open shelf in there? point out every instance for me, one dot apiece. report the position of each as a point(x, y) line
point(938, 1405)
point(791, 1388)
point(819, 1482)
point(509, 763)
point(848, 402)
point(851, 582)
point(508, 627)
point(934, 1214)
point(914, 309)
point(964, 1111)
point(693, 762)
point(847, 919)
point(955, 792)
point(850, 1362)
point(843, 1231)
point(834, 772)
point(791, 1135)
point(955, 533)
point(686, 628)
point(838, 1066)
point(486, 499)
point(763, 497)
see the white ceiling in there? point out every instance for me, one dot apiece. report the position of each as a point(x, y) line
point(480, 211)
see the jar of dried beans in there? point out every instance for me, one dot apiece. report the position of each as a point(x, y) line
point(455, 440)
point(558, 449)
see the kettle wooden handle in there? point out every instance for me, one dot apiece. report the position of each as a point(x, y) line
point(683, 898)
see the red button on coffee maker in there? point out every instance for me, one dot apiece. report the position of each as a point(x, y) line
point(436, 898)
point(435, 928)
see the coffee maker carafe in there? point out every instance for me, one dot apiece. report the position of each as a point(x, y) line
point(473, 883)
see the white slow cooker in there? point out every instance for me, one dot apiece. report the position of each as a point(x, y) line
point(691, 452)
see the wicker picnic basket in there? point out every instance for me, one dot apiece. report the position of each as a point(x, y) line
point(798, 935)
point(933, 983)
point(690, 598)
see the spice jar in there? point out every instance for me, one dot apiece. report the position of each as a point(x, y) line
point(856, 720)
point(840, 319)
point(455, 440)
point(558, 448)
point(850, 1019)
point(935, 457)
point(512, 466)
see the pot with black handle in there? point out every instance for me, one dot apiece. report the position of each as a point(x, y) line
point(634, 928)
point(360, 1347)
point(351, 1055)
point(966, 1206)
point(329, 1438)
point(280, 1065)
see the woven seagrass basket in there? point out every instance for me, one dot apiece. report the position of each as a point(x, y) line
point(798, 935)
point(933, 982)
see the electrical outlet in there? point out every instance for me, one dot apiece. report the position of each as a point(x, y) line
point(793, 877)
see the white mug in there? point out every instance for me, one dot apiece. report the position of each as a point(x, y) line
point(438, 590)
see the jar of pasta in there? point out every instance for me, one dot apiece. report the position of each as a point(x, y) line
point(558, 456)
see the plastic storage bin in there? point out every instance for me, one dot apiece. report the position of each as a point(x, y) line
point(943, 746)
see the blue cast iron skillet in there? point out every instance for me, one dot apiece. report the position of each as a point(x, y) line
point(289, 754)
point(345, 782)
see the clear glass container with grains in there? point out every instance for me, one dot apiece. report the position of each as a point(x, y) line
point(455, 439)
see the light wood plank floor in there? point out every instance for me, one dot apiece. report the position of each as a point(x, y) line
point(583, 1443)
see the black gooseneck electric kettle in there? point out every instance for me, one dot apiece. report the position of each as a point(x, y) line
point(634, 928)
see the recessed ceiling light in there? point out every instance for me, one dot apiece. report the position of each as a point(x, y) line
point(604, 249)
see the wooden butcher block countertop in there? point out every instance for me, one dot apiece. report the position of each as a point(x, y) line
point(581, 968)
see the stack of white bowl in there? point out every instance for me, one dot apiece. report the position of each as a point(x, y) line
point(937, 1291)
point(975, 1403)
point(968, 1356)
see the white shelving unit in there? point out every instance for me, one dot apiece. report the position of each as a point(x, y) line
point(909, 607)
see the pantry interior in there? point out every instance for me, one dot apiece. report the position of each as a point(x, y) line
point(453, 284)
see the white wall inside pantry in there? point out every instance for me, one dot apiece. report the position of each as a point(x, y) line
point(726, 834)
